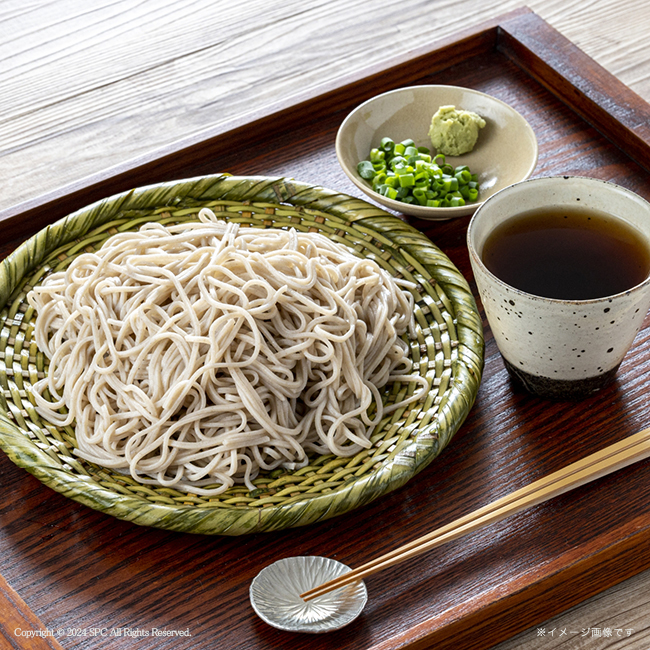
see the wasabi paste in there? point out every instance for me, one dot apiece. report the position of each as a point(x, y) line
point(454, 132)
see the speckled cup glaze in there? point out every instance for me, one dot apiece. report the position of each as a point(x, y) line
point(560, 348)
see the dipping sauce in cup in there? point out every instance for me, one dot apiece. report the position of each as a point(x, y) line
point(562, 266)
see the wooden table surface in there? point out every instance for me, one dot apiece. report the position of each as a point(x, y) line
point(85, 85)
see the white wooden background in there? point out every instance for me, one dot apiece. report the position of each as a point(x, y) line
point(81, 80)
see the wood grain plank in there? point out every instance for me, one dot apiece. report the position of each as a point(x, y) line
point(247, 131)
point(124, 78)
point(20, 628)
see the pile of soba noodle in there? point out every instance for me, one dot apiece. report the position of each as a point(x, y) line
point(196, 355)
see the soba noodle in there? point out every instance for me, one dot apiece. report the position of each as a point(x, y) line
point(195, 355)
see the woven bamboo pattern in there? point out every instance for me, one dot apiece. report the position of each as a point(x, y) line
point(448, 352)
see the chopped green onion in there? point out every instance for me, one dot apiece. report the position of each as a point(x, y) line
point(366, 170)
point(378, 180)
point(463, 177)
point(410, 174)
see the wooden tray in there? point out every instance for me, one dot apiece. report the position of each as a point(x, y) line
point(84, 572)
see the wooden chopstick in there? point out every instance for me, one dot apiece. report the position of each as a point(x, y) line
point(596, 465)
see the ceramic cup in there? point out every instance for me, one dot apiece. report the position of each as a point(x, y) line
point(560, 348)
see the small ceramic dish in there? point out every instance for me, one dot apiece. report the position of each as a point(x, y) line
point(505, 153)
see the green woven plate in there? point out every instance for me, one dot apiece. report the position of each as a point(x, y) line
point(448, 351)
